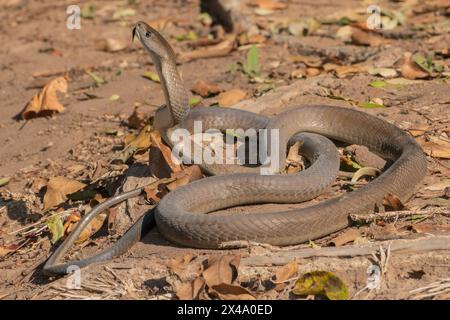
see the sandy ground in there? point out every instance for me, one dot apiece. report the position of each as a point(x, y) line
point(38, 47)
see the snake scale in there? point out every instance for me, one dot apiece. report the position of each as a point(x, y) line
point(181, 215)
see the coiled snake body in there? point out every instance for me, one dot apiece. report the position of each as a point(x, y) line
point(180, 214)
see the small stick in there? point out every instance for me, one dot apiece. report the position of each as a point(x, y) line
point(367, 218)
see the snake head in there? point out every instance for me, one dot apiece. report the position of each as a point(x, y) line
point(152, 40)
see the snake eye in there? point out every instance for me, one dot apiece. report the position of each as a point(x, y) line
point(148, 34)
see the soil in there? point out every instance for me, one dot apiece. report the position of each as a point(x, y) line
point(77, 144)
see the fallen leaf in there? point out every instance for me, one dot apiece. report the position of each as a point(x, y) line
point(346, 237)
point(419, 130)
point(206, 89)
point(321, 283)
point(133, 144)
point(231, 97)
point(5, 250)
point(411, 70)
point(97, 79)
point(111, 45)
point(347, 164)
point(71, 222)
point(303, 28)
point(114, 97)
point(125, 12)
point(137, 119)
point(285, 273)
point(92, 227)
point(434, 148)
point(191, 290)
point(156, 141)
point(57, 190)
point(4, 181)
point(366, 37)
point(151, 76)
point(271, 4)
point(221, 270)
point(384, 72)
point(365, 171)
point(252, 65)
point(440, 186)
point(56, 228)
point(370, 105)
point(218, 50)
point(193, 101)
point(309, 61)
point(392, 203)
point(45, 103)
point(227, 291)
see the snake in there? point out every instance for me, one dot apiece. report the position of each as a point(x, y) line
point(182, 216)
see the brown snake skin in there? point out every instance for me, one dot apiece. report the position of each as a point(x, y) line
point(180, 214)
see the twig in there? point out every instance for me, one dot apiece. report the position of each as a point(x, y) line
point(393, 215)
point(280, 258)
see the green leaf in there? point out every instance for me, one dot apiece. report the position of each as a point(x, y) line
point(4, 181)
point(151, 76)
point(56, 228)
point(88, 12)
point(251, 66)
point(378, 84)
point(370, 105)
point(348, 165)
point(321, 283)
point(193, 101)
point(426, 63)
point(114, 97)
point(87, 194)
point(98, 80)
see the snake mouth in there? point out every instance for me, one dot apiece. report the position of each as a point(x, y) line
point(133, 33)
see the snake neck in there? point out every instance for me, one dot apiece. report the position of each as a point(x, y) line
point(175, 93)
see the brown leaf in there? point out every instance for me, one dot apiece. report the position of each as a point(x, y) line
point(435, 148)
point(419, 129)
point(5, 250)
point(166, 152)
point(284, 273)
point(191, 290)
point(312, 72)
point(71, 222)
point(270, 4)
point(57, 190)
point(92, 227)
point(231, 97)
point(411, 70)
point(227, 291)
point(309, 61)
point(178, 264)
point(366, 37)
point(218, 50)
point(392, 203)
point(205, 89)
point(137, 119)
point(221, 269)
point(45, 103)
point(346, 237)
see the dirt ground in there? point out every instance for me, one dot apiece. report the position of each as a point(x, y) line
point(327, 64)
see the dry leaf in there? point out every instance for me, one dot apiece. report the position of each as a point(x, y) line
point(166, 152)
point(435, 148)
point(205, 89)
point(309, 61)
point(321, 283)
point(221, 269)
point(71, 222)
point(312, 72)
point(137, 119)
point(112, 45)
point(440, 186)
point(92, 227)
point(191, 290)
point(270, 4)
point(411, 70)
point(419, 130)
point(285, 273)
point(219, 50)
point(366, 37)
point(5, 250)
point(57, 190)
point(231, 97)
point(346, 237)
point(227, 291)
point(392, 203)
point(46, 103)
